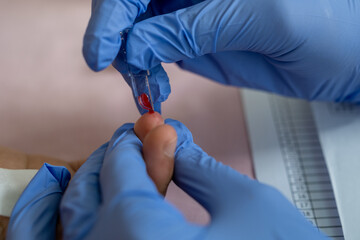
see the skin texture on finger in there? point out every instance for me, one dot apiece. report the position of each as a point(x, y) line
point(146, 123)
point(159, 143)
point(158, 150)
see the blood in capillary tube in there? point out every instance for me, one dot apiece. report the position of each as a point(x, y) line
point(144, 102)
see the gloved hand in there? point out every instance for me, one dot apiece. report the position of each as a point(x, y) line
point(303, 49)
point(111, 196)
point(35, 214)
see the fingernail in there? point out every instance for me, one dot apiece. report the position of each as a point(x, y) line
point(169, 148)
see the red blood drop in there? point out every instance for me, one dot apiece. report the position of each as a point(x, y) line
point(144, 102)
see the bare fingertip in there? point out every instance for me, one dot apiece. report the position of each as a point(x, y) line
point(146, 123)
point(158, 149)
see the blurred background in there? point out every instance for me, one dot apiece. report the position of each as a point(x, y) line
point(52, 104)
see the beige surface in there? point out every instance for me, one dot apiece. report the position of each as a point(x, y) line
point(52, 104)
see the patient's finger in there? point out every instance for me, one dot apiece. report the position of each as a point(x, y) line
point(146, 123)
point(158, 150)
point(159, 142)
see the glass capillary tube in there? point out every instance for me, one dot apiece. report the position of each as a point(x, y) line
point(148, 87)
point(139, 81)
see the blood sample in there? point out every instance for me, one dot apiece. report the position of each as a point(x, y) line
point(144, 102)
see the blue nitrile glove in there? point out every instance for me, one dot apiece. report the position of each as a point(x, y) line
point(157, 77)
point(304, 48)
point(35, 214)
point(112, 197)
point(102, 42)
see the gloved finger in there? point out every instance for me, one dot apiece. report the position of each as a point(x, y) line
point(230, 196)
point(236, 203)
point(202, 177)
point(34, 216)
point(124, 171)
point(82, 198)
point(207, 27)
point(102, 37)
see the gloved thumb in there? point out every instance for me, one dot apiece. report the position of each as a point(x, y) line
point(124, 171)
point(202, 177)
